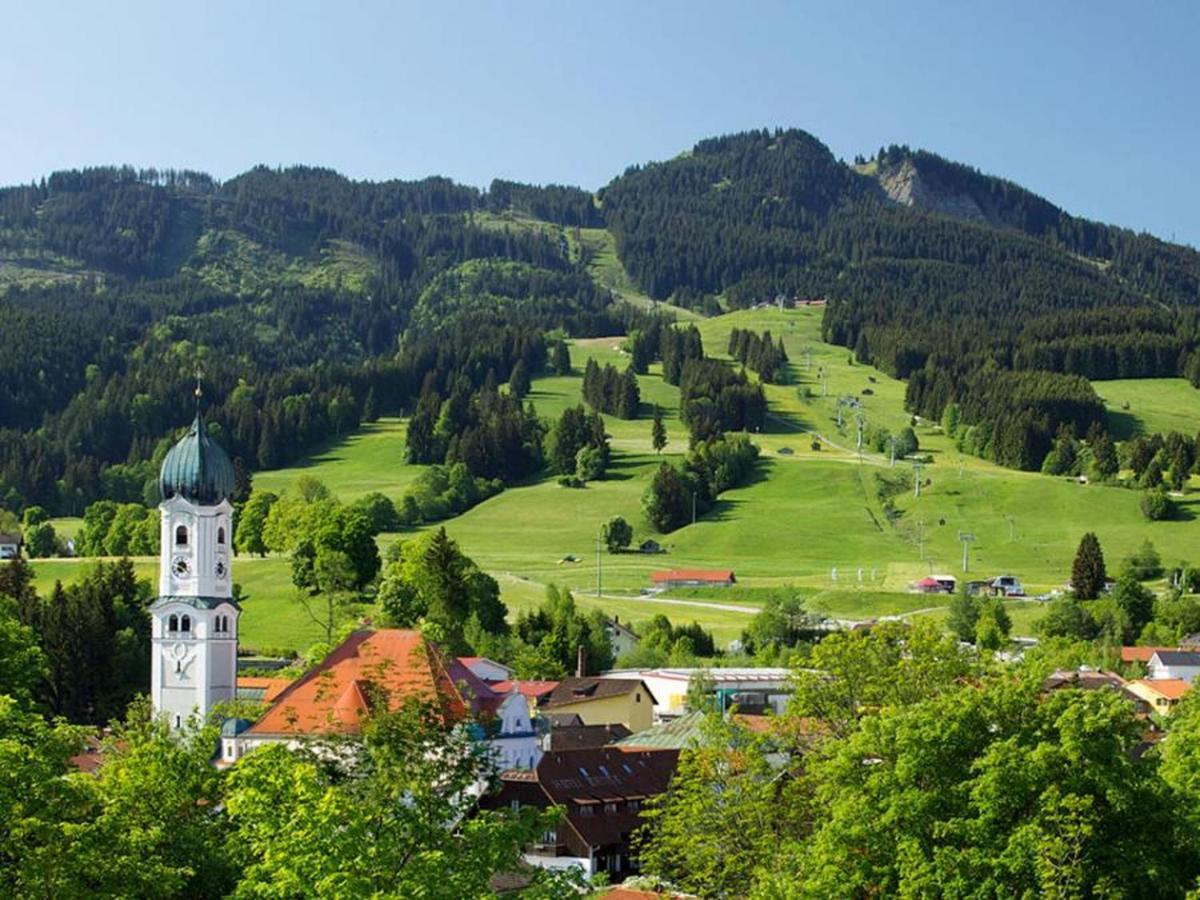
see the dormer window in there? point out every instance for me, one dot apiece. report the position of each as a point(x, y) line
point(221, 536)
point(181, 536)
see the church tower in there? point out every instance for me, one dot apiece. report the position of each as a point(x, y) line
point(195, 618)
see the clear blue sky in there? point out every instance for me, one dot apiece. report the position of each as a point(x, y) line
point(1093, 104)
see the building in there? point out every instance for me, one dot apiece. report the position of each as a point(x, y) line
point(10, 546)
point(194, 620)
point(258, 689)
point(1140, 654)
point(533, 691)
point(621, 637)
point(935, 584)
point(1163, 694)
point(1172, 664)
point(601, 792)
point(583, 737)
point(487, 669)
point(751, 689)
point(381, 670)
point(678, 578)
point(603, 701)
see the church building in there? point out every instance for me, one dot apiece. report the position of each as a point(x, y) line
point(194, 620)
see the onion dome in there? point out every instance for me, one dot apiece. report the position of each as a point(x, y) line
point(197, 469)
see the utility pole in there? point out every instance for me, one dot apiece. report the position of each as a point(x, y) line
point(966, 538)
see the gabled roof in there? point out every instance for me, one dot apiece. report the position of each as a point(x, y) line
point(385, 667)
point(581, 737)
point(574, 778)
point(1178, 657)
point(534, 690)
point(1140, 654)
point(693, 575)
point(581, 690)
point(675, 734)
point(1170, 688)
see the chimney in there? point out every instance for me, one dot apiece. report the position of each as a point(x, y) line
point(580, 659)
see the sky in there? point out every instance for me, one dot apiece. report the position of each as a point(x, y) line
point(1092, 104)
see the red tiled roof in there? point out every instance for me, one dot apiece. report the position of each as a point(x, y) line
point(693, 575)
point(1140, 654)
point(332, 698)
point(272, 687)
point(531, 689)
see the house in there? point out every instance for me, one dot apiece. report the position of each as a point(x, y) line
point(621, 638)
point(751, 689)
point(583, 737)
point(487, 669)
point(1190, 642)
point(1163, 694)
point(533, 691)
point(10, 546)
point(650, 546)
point(1087, 679)
point(1140, 654)
point(677, 578)
point(381, 670)
point(603, 701)
point(1171, 664)
point(1006, 586)
point(601, 792)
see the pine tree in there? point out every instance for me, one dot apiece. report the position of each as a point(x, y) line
point(658, 431)
point(629, 396)
point(518, 382)
point(1087, 572)
point(370, 407)
point(562, 358)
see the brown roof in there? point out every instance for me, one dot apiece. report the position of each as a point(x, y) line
point(1140, 654)
point(579, 737)
point(580, 690)
point(572, 778)
point(694, 575)
point(332, 698)
point(1087, 680)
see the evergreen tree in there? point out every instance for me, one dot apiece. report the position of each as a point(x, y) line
point(518, 382)
point(561, 358)
point(370, 407)
point(1087, 572)
point(658, 431)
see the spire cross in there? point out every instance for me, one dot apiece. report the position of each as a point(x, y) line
point(199, 389)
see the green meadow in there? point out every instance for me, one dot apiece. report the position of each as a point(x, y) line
point(810, 519)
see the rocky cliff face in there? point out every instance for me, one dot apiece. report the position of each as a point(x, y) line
point(907, 185)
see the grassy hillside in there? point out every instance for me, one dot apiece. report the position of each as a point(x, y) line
point(807, 514)
point(1148, 405)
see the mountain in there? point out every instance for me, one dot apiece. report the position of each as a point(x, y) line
point(299, 292)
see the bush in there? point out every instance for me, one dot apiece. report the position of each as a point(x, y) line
point(1156, 506)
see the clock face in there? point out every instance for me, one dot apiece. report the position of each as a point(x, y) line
point(181, 566)
point(221, 570)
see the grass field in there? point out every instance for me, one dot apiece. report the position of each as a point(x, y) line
point(1150, 405)
point(806, 514)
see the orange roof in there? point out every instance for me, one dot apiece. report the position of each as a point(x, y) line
point(1140, 654)
point(1171, 688)
point(694, 575)
point(272, 687)
point(333, 697)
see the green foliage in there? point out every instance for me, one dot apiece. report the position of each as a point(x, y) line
point(251, 524)
point(440, 492)
point(119, 529)
point(428, 580)
point(1087, 571)
point(617, 534)
point(658, 431)
point(1144, 564)
point(782, 623)
point(590, 464)
point(963, 616)
point(555, 631)
point(40, 540)
point(1156, 506)
point(575, 430)
point(379, 510)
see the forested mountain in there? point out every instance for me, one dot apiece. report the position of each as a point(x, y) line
point(932, 271)
point(301, 293)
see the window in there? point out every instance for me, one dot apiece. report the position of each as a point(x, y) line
point(634, 806)
point(229, 749)
point(515, 805)
point(610, 809)
point(587, 809)
point(173, 623)
point(178, 720)
point(637, 698)
point(181, 536)
point(186, 624)
point(221, 535)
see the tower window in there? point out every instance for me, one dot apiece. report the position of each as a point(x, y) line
point(187, 623)
point(181, 536)
point(221, 535)
point(173, 623)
